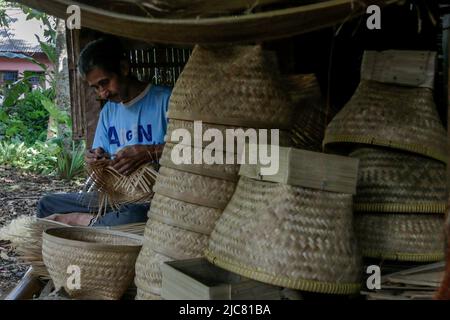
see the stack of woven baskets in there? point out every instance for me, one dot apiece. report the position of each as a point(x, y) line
point(391, 124)
point(225, 88)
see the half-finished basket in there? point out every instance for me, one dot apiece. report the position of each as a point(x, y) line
point(105, 260)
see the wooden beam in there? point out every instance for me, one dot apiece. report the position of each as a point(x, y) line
point(28, 286)
point(243, 28)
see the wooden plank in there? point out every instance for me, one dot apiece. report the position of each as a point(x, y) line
point(28, 286)
point(251, 27)
point(307, 169)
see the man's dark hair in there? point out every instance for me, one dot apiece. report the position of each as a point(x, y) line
point(105, 53)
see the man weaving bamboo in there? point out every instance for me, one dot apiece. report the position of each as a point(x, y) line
point(130, 131)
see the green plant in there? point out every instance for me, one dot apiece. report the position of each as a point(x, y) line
point(70, 163)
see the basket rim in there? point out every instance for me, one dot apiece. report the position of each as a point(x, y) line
point(297, 284)
point(48, 236)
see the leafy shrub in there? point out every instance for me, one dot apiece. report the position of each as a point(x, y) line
point(49, 158)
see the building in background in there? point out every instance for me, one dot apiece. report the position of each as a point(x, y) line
point(17, 45)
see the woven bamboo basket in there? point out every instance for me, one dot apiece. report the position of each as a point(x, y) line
point(392, 116)
point(311, 113)
point(247, 88)
point(106, 260)
point(115, 189)
point(401, 236)
point(288, 236)
point(392, 181)
point(148, 272)
point(144, 295)
point(193, 188)
point(184, 215)
point(174, 242)
point(174, 124)
point(215, 170)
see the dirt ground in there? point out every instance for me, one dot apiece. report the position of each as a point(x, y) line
point(19, 194)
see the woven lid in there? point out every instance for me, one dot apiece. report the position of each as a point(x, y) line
point(106, 260)
point(174, 155)
point(194, 188)
point(302, 168)
point(148, 273)
point(401, 236)
point(233, 85)
point(288, 236)
point(174, 242)
point(392, 181)
point(396, 116)
point(184, 215)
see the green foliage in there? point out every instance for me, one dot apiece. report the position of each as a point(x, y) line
point(70, 163)
point(40, 158)
point(49, 158)
point(27, 119)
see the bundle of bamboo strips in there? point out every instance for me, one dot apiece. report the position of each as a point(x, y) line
point(116, 189)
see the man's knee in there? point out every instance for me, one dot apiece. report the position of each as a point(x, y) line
point(43, 207)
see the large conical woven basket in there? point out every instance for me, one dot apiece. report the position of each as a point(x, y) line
point(105, 258)
point(174, 242)
point(233, 85)
point(148, 271)
point(393, 181)
point(393, 106)
point(311, 112)
point(194, 188)
point(184, 215)
point(401, 236)
point(288, 236)
point(174, 153)
point(393, 116)
point(193, 129)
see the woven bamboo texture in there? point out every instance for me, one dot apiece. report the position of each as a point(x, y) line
point(144, 295)
point(106, 260)
point(193, 188)
point(184, 215)
point(392, 181)
point(148, 270)
point(311, 112)
point(288, 236)
point(115, 189)
point(247, 88)
point(222, 171)
point(393, 116)
point(174, 242)
point(401, 236)
point(174, 124)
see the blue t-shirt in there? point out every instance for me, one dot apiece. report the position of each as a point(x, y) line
point(141, 121)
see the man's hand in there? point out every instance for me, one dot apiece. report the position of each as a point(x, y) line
point(132, 157)
point(95, 154)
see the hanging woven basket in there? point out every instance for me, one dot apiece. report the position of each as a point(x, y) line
point(392, 107)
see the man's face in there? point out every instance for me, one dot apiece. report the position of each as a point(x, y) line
point(105, 84)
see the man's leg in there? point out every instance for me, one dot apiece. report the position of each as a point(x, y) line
point(131, 213)
point(66, 203)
